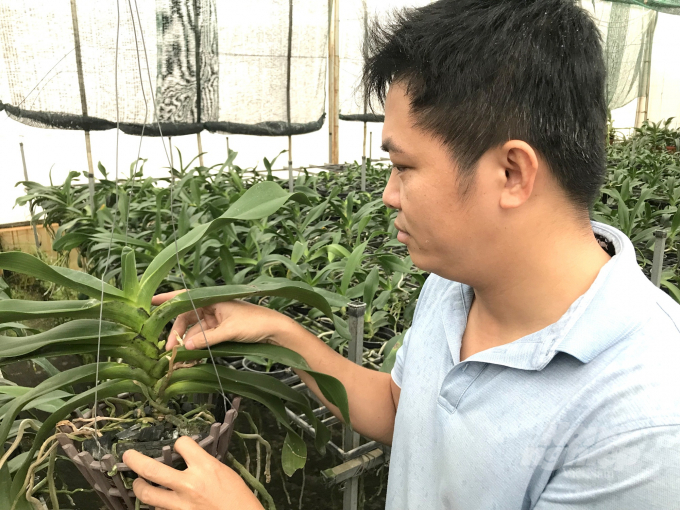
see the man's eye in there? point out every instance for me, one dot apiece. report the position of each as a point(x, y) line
point(400, 168)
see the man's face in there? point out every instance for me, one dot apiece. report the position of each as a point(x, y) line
point(444, 234)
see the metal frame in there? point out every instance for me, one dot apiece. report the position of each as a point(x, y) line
point(657, 262)
point(355, 458)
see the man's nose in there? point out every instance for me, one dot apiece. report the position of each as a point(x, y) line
point(391, 192)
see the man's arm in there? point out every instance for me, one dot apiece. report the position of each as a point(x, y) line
point(373, 396)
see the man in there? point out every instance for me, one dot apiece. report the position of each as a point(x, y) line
point(539, 372)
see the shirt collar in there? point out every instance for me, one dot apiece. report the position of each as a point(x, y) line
point(615, 304)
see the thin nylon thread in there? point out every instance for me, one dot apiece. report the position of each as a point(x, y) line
point(172, 216)
point(108, 256)
point(146, 115)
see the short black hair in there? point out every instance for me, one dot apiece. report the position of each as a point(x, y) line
point(481, 72)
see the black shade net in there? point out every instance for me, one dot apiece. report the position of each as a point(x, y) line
point(255, 67)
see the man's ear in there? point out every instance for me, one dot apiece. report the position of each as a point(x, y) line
point(520, 162)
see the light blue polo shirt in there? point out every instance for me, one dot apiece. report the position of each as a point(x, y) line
point(584, 414)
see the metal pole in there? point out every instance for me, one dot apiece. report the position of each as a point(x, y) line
point(657, 263)
point(370, 146)
point(83, 101)
point(290, 163)
point(200, 149)
point(351, 439)
point(30, 202)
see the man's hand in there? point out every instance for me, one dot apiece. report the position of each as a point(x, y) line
point(231, 321)
point(372, 395)
point(206, 484)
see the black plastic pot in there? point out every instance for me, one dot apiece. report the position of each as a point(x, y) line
point(277, 370)
point(110, 487)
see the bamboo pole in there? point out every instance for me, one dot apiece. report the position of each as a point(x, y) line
point(83, 101)
point(334, 82)
point(643, 101)
point(363, 154)
point(30, 202)
point(288, 109)
point(290, 164)
point(200, 149)
point(363, 163)
point(172, 161)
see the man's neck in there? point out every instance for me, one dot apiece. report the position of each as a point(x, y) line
point(533, 291)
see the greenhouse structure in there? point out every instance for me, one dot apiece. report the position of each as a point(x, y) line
point(173, 165)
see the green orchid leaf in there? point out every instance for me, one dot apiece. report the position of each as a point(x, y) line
point(338, 251)
point(211, 295)
point(294, 453)
point(260, 201)
point(47, 403)
point(270, 260)
point(81, 330)
point(17, 310)
point(353, 263)
point(262, 381)
point(298, 251)
point(393, 264)
point(331, 388)
point(334, 299)
point(371, 287)
point(129, 274)
point(69, 241)
point(85, 373)
point(76, 280)
point(390, 352)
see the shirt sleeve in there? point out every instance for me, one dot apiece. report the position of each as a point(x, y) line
point(398, 369)
point(636, 469)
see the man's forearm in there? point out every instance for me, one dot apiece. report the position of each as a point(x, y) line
point(371, 404)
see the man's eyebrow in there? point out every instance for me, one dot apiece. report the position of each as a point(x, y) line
point(389, 146)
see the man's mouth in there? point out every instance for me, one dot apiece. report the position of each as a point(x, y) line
point(402, 235)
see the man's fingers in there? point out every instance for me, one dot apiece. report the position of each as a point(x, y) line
point(159, 299)
point(155, 496)
point(192, 454)
point(196, 329)
point(213, 336)
point(152, 470)
point(180, 326)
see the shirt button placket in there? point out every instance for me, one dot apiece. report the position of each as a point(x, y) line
point(457, 382)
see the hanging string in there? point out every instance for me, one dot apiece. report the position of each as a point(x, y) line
point(146, 115)
point(227, 402)
point(113, 226)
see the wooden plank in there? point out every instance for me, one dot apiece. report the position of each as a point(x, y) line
point(354, 467)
